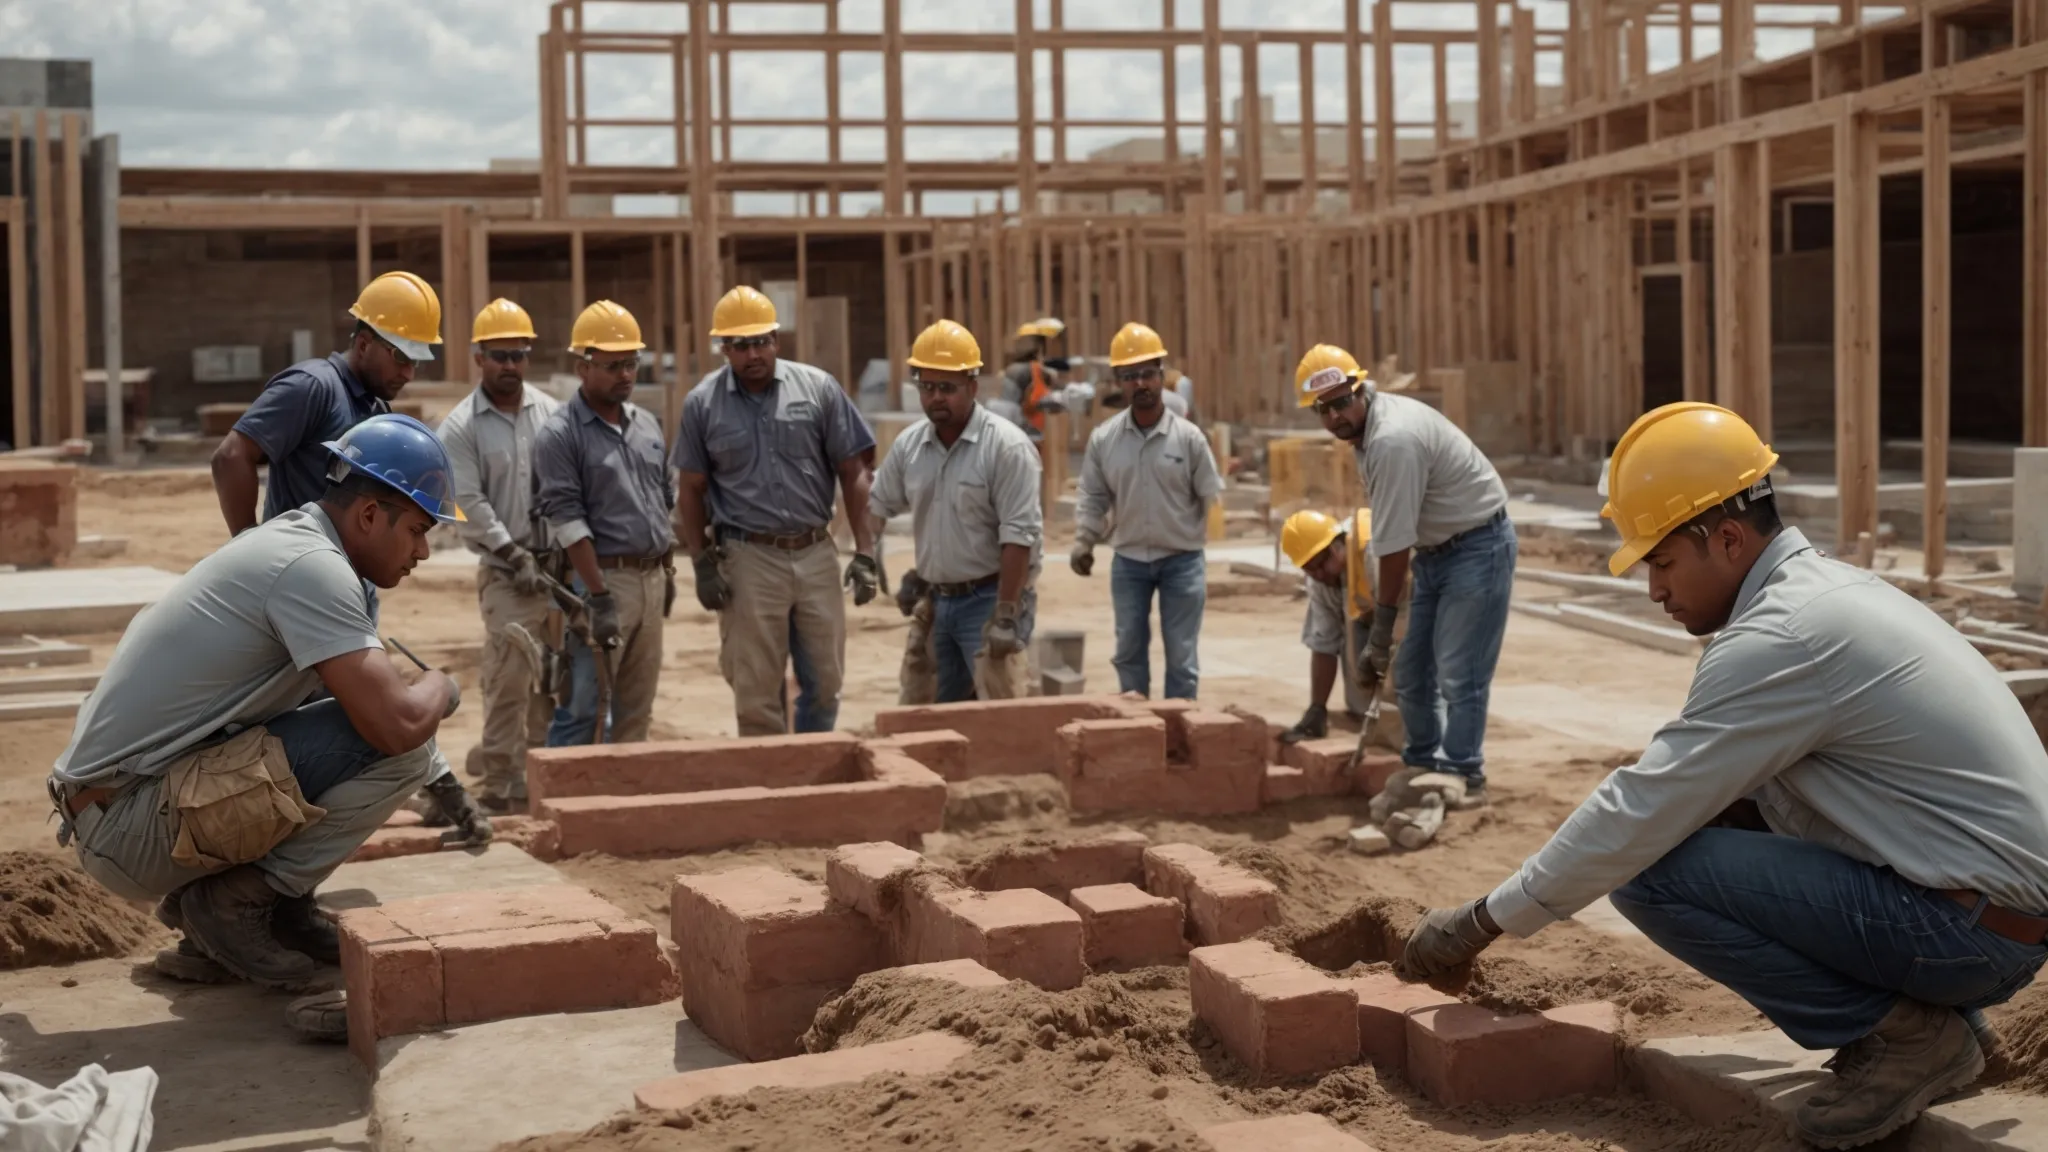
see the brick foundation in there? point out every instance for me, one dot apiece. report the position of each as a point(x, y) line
point(1005, 737)
point(1113, 857)
point(1276, 1014)
point(1464, 1054)
point(1126, 927)
point(1325, 766)
point(1224, 903)
point(925, 1054)
point(1384, 1005)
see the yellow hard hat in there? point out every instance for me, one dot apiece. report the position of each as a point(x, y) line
point(606, 327)
point(1134, 344)
point(1674, 463)
point(501, 319)
point(946, 347)
point(743, 312)
point(1046, 326)
point(404, 310)
point(1306, 534)
point(1313, 374)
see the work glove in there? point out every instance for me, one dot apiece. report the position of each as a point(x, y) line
point(712, 590)
point(1313, 725)
point(454, 696)
point(999, 636)
point(604, 620)
point(1082, 559)
point(1378, 654)
point(526, 577)
point(909, 591)
point(864, 576)
point(1446, 938)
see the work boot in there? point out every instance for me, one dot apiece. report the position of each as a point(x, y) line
point(1916, 1055)
point(1475, 797)
point(459, 812)
point(322, 1017)
point(502, 805)
point(186, 962)
point(228, 916)
point(1313, 725)
point(298, 925)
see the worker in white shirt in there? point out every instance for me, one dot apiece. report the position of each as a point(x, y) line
point(1848, 822)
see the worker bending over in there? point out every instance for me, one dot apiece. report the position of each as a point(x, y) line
point(1339, 599)
point(1439, 512)
point(489, 436)
point(603, 486)
point(761, 446)
point(1848, 822)
point(970, 482)
point(201, 772)
point(1152, 474)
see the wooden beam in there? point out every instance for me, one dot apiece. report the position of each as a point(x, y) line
point(1212, 99)
point(579, 297)
point(1027, 111)
point(19, 383)
point(1305, 84)
point(49, 374)
point(1251, 131)
point(1386, 185)
point(1742, 335)
point(2034, 259)
point(1489, 68)
point(1935, 224)
point(704, 239)
point(1856, 284)
point(1354, 105)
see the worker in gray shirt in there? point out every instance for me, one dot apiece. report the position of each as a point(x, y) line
point(203, 774)
point(604, 488)
point(1848, 822)
point(970, 482)
point(762, 444)
point(489, 435)
point(1439, 514)
point(1151, 474)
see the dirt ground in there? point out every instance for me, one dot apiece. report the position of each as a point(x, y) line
point(1114, 1064)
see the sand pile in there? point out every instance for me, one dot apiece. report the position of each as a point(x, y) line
point(52, 913)
point(2021, 1062)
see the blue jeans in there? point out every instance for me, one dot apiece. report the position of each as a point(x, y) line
point(1182, 584)
point(322, 746)
point(809, 717)
point(957, 622)
point(1443, 671)
point(1821, 944)
point(576, 725)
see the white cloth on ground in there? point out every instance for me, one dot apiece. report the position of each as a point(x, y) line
point(94, 1111)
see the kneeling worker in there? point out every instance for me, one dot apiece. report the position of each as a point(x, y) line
point(1848, 822)
point(198, 772)
point(1339, 602)
point(970, 482)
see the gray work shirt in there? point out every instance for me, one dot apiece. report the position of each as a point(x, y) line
point(608, 485)
point(1424, 478)
point(966, 501)
point(491, 454)
point(1155, 483)
point(300, 409)
point(1855, 717)
point(772, 457)
point(1322, 629)
point(232, 644)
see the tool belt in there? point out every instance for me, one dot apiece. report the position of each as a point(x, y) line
point(1432, 549)
point(637, 563)
point(2017, 927)
point(964, 587)
point(792, 543)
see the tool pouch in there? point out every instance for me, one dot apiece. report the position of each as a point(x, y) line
point(233, 802)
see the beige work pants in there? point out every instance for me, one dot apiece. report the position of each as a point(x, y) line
point(635, 664)
point(774, 590)
point(516, 708)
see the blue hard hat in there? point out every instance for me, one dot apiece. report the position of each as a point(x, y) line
point(403, 453)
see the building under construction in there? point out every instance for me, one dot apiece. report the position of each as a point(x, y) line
point(1848, 243)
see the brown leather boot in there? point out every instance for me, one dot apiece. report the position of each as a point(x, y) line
point(228, 915)
point(1916, 1055)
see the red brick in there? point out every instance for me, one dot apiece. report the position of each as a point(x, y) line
point(1275, 1013)
point(1325, 763)
point(1466, 1054)
point(910, 800)
point(399, 840)
point(1174, 714)
point(540, 839)
point(1225, 767)
point(1116, 856)
point(558, 968)
point(1370, 777)
point(669, 766)
point(1301, 1132)
point(1283, 784)
point(393, 981)
point(1005, 737)
point(965, 973)
point(38, 513)
point(944, 752)
point(864, 876)
point(925, 1054)
point(1272, 731)
point(1122, 926)
point(1224, 903)
point(1384, 1004)
point(1022, 934)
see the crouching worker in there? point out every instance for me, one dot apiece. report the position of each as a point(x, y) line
point(1339, 606)
point(204, 774)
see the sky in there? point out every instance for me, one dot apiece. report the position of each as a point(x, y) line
point(451, 84)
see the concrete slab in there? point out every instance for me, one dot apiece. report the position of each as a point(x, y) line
point(474, 1088)
point(59, 601)
point(1594, 716)
point(376, 882)
point(40, 705)
point(31, 652)
point(48, 682)
point(1765, 1073)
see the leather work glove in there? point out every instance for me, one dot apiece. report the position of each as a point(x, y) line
point(999, 635)
point(604, 620)
point(1313, 725)
point(864, 576)
point(1446, 938)
point(1378, 655)
point(909, 591)
point(526, 576)
point(1082, 559)
point(712, 590)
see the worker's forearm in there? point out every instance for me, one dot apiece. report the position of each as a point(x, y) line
point(1322, 676)
point(1010, 576)
point(583, 557)
point(406, 719)
point(234, 484)
point(690, 517)
point(1393, 578)
point(855, 490)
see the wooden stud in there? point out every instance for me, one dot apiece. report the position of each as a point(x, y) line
point(2034, 261)
point(20, 385)
point(49, 375)
point(1212, 99)
point(1489, 68)
point(1935, 226)
point(1386, 184)
point(1305, 83)
point(1354, 106)
point(1027, 111)
point(1856, 283)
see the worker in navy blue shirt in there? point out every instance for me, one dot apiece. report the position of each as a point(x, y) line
point(398, 321)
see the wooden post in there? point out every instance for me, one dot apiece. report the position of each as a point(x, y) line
point(1386, 187)
point(578, 296)
point(2034, 259)
point(803, 293)
point(704, 243)
point(457, 309)
point(49, 375)
point(1306, 83)
point(1251, 130)
point(1212, 100)
point(74, 274)
point(1935, 224)
point(1027, 111)
point(1489, 69)
point(1742, 344)
point(1856, 280)
point(24, 434)
point(1354, 106)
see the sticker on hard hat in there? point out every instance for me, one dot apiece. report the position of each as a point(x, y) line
point(1324, 379)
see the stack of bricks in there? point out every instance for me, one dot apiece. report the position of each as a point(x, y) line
point(1169, 757)
point(667, 797)
point(1324, 768)
point(1282, 1017)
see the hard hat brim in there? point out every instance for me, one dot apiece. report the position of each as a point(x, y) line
point(415, 349)
point(744, 330)
point(609, 346)
point(1127, 361)
point(931, 366)
point(523, 332)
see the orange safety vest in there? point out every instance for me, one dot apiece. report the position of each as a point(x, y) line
point(1034, 398)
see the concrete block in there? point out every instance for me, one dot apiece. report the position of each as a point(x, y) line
point(1116, 856)
point(1275, 1013)
point(411, 965)
point(867, 877)
point(1123, 926)
point(1465, 1054)
point(1300, 1132)
point(1384, 1003)
point(1283, 784)
point(1022, 934)
point(669, 766)
point(1224, 903)
point(925, 1054)
point(944, 752)
point(38, 513)
point(1369, 841)
point(1006, 737)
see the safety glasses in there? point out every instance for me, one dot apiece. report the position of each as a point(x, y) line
point(621, 366)
point(508, 355)
point(397, 357)
point(1336, 403)
point(1139, 375)
point(938, 387)
point(748, 343)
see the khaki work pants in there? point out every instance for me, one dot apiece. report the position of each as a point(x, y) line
point(635, 664)
point(516, 707)
point(774, 590)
